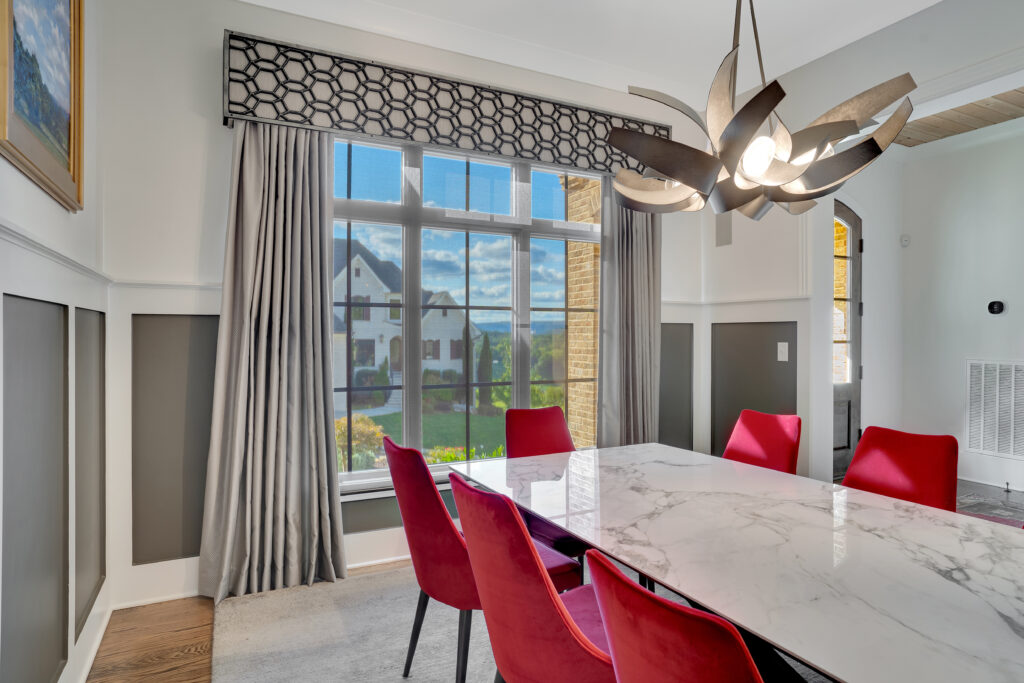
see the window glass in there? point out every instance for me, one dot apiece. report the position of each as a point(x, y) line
point(340, 169)
point(376, 263)
point(444, 182)
point(376, 173)
point(490, 270)
point(443, 267)
point(547, 195)
point(547, 345)
point(547, 273)
point(490, 188)
point(841, 304)
point(487, 423)
point(491, 336)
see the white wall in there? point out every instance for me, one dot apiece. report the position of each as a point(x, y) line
point(47, 253)
point(962, 211)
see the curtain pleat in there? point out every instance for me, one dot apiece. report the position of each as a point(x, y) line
point(630, 344)
point(273, 515)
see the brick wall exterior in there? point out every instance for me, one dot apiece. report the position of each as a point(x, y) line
point(583, 272)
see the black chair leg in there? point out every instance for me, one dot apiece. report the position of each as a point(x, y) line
point(498, 678)
point(465, 628)
point(421, 609)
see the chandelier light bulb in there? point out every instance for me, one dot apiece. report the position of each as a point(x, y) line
point(758, 157)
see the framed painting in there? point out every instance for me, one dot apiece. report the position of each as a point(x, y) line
point(41, 94)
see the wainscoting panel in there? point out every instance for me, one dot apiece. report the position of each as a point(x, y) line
point(675, 411)
point(34, 611)
point(753, 365)
point(173, 359)
point(90, 461)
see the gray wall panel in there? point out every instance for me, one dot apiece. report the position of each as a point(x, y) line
point(675, 406)
point(90, 461)
point(746, 373)
point(34, 609)
point(173, 358)
point(380, 513)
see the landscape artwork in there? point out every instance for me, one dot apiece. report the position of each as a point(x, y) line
point(42, 72)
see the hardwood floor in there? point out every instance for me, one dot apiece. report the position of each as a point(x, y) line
point(166, 641)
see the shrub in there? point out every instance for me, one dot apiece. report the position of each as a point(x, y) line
point(367, 436)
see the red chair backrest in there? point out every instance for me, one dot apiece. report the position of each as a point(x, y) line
point(653, 640)
point(536, 431)
point(439, 555)
point(533, 636)
point(771, 441)
point(919, 468)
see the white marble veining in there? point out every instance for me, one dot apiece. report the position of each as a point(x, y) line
point(860, 586)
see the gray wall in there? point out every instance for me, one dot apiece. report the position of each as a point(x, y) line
point(675, 411)
point(372, 514)
point(90, 461)
point(747, 373)
point(34, 609)
point(173, 358)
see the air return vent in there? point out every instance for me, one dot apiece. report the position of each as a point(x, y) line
point(995, 407)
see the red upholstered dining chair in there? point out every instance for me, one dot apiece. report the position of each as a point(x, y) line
point(536, 634)
point(542, 431)
point(766, 440)
point(438, 549)
point(654, 640)
point(919, 468)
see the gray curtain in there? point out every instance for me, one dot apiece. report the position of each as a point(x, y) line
point(273, 516)
point(630, 325)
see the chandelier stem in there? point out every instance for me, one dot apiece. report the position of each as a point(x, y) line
point(760, 60)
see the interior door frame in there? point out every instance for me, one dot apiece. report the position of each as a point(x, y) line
point(852, 390)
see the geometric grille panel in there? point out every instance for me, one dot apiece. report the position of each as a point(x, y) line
point(279, 83)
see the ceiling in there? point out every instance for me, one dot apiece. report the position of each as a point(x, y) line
point(672, 46)
point(981, 113)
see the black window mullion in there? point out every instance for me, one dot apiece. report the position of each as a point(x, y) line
point(465, 365)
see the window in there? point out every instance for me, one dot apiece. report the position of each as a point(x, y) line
point(467, 185)
point(506, 309)
point(367, 369)
point(841, 304)
point(562, 197)
point(564, 296)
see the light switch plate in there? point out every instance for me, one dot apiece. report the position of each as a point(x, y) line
point(783, 352)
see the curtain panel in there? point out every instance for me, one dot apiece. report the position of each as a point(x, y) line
point(272, 515)
point(630, 345)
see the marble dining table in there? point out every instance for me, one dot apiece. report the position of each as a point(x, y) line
point(859, 586)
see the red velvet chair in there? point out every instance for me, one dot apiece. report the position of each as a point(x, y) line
point(542, 431)
point(536, 634)
point(766, 440)
point(438, 550)
point(918, 468)
point(653, 640)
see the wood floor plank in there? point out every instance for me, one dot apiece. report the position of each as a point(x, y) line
point(168, 642)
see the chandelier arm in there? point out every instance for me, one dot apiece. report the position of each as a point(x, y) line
point(669, 101)
point(813, 136)
point(720, 108)
point(726, 196)
point(744, 125)
point(860, 108)
point(675, 160)
point(756, 208)
point(757, 43)
point(797, 208)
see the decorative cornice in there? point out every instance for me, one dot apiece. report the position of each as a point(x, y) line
point(274, 82)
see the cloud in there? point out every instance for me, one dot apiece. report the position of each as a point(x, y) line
point(385, 242)
point(46, 33)
point(552, 295)
point(546, 275)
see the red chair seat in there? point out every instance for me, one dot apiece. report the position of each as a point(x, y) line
point(582, 605)
point(565, 572)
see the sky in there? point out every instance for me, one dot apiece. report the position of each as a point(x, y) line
point(45, 29)
point(444, 252)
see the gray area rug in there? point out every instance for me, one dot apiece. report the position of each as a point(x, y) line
point(353, 630)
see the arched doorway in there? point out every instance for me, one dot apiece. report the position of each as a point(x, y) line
point(846, 325)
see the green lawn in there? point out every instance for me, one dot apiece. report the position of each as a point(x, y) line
point(449, 429)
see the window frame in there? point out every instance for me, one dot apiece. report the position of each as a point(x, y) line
point(413, 216)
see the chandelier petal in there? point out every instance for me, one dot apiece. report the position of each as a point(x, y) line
point(721, 98)
point(669, 101)
point(756, 209)
point(783, 140)
point(815, 137)
point(744, 125)
point(727, 196)
point(797, 208)
point(653, 194)
point(860, 108)
point(671, 159)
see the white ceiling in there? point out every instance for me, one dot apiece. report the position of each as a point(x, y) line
point(673, 46)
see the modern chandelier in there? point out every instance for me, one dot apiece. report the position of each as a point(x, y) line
point(753, 161)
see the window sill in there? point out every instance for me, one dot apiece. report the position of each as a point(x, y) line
point(377, 484)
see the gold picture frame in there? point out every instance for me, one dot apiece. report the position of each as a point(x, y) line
point(41, 94)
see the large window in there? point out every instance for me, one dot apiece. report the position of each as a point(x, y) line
point(461, 290)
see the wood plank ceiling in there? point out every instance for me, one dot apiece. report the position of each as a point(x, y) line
point(986, 112)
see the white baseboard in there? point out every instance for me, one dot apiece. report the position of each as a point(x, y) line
point(155, 599)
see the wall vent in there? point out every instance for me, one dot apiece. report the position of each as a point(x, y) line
point(995, 407)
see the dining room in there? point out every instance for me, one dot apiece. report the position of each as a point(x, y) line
point(531, 342)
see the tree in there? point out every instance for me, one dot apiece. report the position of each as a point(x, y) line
point(367, 437)
point(483, 373)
